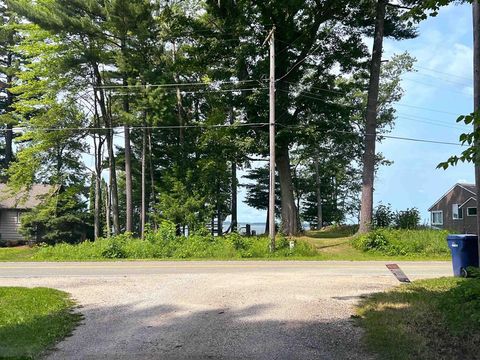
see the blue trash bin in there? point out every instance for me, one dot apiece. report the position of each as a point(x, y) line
point(464, 249)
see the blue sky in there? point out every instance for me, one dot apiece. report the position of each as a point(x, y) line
point(443, 82)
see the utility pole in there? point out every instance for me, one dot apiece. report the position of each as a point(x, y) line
point(319, 195)
point(271, 188)
point(476, 96)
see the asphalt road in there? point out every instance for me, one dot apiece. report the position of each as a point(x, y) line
point(215, 310)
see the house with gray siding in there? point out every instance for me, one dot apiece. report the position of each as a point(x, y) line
point(13, 205)
point(456, 210)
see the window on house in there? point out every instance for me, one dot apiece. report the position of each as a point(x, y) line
point(19, 216)
point(472, 211)
point(437, 217)
point(457, 212)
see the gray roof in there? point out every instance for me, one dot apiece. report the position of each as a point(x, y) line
point(469, 187)
point(23, 199)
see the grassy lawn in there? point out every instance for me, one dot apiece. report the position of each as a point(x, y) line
point(21, 253)
point(336, 243)
point(416, 245)
point(428, 319)
point(32, 320)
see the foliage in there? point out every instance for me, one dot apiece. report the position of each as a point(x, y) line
point(398, 242)
point(383, 216)
point(163, 244)
point(407, 219)
point(428, 319)
point(89, 64)
point(61, 217)
point(471, 154)
point(33, 320)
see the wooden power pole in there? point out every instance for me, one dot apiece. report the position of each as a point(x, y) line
point(271, 188)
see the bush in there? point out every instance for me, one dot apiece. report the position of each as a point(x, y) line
point(164, 244)
point(373, 241)
point(404, 242)
point(383, 216)
point(408, 219)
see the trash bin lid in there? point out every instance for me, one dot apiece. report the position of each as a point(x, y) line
point(464, 237)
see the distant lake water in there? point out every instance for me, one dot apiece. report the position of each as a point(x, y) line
point(259, 228)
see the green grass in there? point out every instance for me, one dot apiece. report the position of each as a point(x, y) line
point(333, 243)
point(21, 253)
point(411, 243)
point(416, 245)
point(32, 320)
point(428, 319)
point(195, 247)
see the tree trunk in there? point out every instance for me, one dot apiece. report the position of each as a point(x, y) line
point(98, 206)
point(290, 223)
point(98, 186)
point(152, 177)
point(128, 155)
point(234, 210)
point(371, 123)
point(476, 95)
point(267, 222)
point(107, 211)
point(144, 173)
point(97, 149)
point(234, 225)
point(179, 101)
point(113, 183)
point(9, 128)
point(8, 146)
point(128, 177)
point(319, 196)
point(111, 155)
point(219, 213)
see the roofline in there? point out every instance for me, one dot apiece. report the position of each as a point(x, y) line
point(453, 187)
point(470, 198)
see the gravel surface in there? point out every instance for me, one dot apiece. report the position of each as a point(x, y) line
point(222, 315)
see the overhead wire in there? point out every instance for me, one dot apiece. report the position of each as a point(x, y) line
point(173, 85)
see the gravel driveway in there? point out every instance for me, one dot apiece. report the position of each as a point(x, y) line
point(226, 314)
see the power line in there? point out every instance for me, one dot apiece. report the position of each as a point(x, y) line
point(314, 96)
point(113, 128)
point(252, 125)
point(430, 141)
point(436, 87)
point(298, 63)
point(442, 72)
point(204, 91)
point(430, 122)
point(173, 85)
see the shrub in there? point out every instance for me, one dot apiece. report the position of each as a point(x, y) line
point(114, 250)
point(408, 219)
point(166, 233)
point(383, 216)
point(164, 244)
point(373, 241)
point(404, 242)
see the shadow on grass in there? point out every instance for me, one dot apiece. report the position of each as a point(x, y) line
point(203, 332)
point(429, 319)
point(320, 246)
point(29, 338)
point(326, 235)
